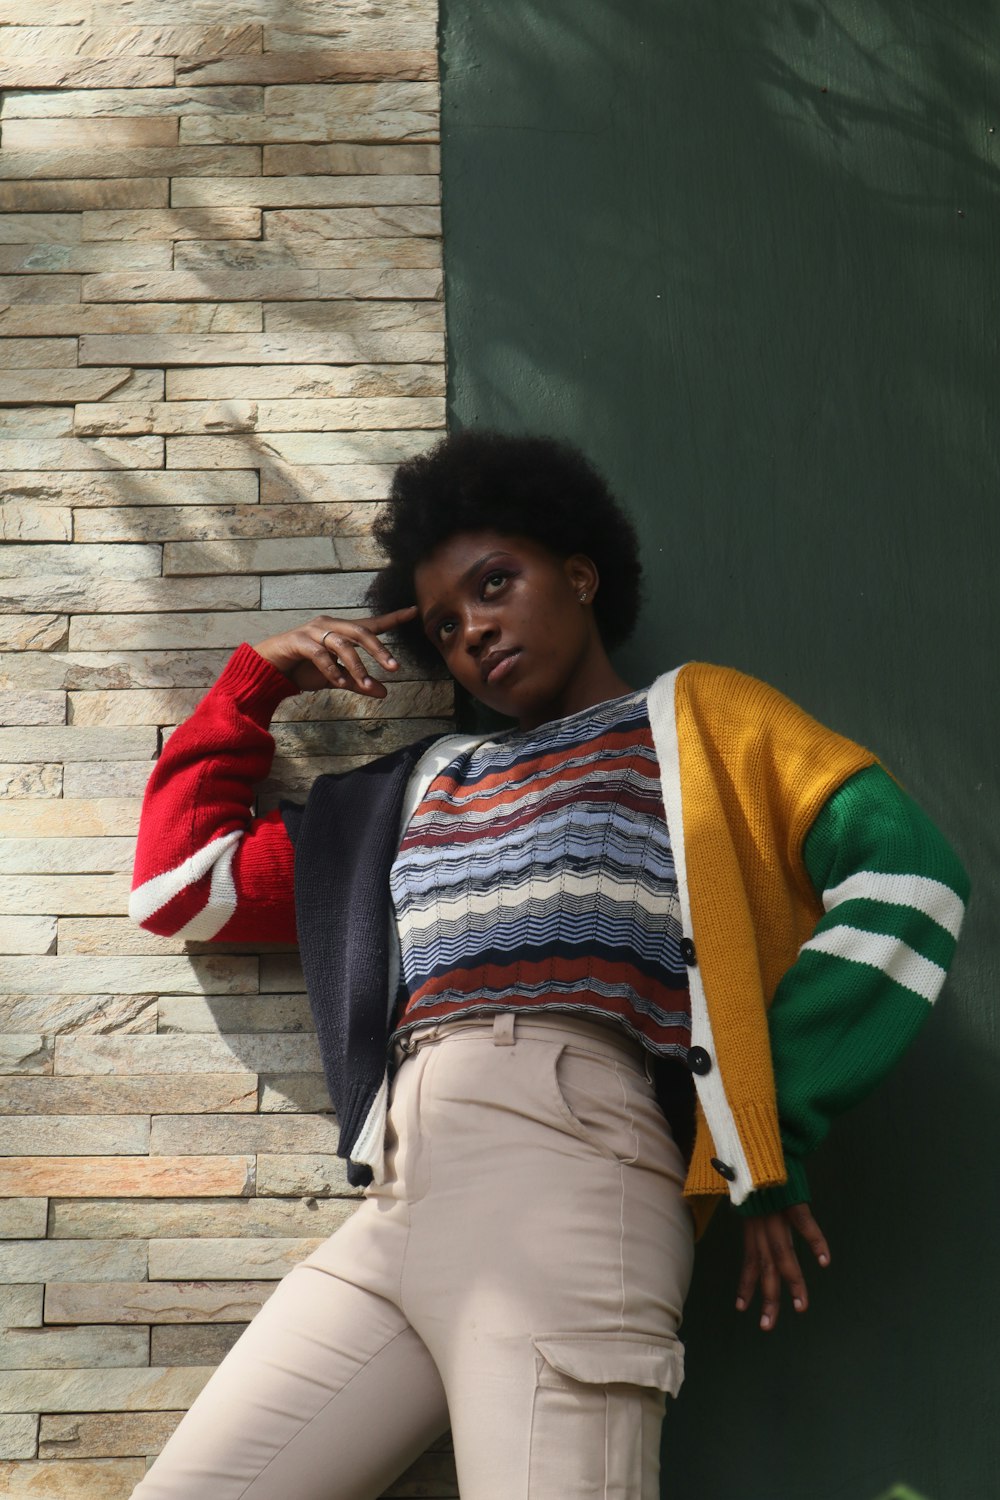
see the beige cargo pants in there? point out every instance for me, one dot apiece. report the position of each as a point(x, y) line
point(520, 1275)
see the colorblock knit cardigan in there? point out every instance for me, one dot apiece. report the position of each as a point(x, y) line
point(821, 907)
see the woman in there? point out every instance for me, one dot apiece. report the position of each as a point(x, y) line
point(555, 936)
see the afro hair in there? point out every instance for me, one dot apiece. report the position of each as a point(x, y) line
point(535, 487)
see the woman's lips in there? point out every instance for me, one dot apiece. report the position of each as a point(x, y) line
point(501, 666)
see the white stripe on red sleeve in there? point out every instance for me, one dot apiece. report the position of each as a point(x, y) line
point(205, 867)
point(215, 859)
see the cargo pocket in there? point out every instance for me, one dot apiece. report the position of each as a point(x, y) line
point(598, 1407)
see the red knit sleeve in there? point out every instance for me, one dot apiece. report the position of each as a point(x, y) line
point(205, 867)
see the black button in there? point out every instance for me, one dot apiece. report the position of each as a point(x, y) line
point(687, 951)
point(724, 1169)
point(699, 1061)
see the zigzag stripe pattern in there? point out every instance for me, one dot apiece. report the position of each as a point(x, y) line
point(536, 995)
point(503, 938)
point(537, 873)
point(485, 911)
point(570, 841)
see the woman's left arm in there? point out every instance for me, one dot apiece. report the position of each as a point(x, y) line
point(894, 894)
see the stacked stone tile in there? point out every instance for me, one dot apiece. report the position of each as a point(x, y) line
point(220, 327)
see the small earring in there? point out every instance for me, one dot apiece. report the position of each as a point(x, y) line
point(582, 597)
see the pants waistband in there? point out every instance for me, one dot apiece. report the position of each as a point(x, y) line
point(507, 1026)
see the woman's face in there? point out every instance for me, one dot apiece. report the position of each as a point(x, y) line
point(507, 617)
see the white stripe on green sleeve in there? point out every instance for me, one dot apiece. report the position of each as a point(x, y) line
point(893, 894)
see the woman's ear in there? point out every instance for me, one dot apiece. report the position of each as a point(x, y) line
point(583, 576)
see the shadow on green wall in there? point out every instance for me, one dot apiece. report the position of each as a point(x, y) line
point(745, 256)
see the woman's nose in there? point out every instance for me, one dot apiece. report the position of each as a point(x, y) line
point(478, 630)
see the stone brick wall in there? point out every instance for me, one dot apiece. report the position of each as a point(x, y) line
point(220, 326)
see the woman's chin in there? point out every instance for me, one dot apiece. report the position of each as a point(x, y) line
point(507, 693)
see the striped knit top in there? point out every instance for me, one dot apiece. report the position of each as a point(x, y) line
point(537, 873)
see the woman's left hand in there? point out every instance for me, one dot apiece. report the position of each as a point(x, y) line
point(769, 1258)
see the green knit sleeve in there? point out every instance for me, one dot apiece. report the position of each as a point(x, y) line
point(894, 895)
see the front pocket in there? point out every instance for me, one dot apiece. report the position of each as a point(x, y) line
point(594, 1097)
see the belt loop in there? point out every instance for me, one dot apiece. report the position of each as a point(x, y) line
point(503, 1028)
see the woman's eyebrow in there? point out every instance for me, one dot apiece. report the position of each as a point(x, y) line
point(480, 562)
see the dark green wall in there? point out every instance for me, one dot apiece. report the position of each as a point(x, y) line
point(746, 256)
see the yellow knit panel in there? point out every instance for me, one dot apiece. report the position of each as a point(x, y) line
point(701, 1210)
point(755, 771)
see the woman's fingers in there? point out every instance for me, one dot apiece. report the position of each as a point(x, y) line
point(770, 1261)
point(325, 651)
point(353, 673)
point(786, 1269)
point(801, 1217)
point(762, 1267)
point(750, 1269)
point(323, 659)
point(365, 633)
point(770, 1283)
point(380, 623)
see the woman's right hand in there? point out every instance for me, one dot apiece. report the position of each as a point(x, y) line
point(324, 653)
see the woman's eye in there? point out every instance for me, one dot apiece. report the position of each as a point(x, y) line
point(445, 629)
point(493, 581)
